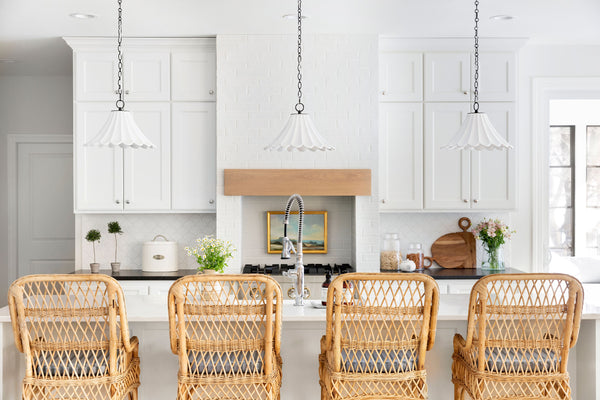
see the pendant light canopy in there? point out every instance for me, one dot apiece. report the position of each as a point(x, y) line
point(300, 132)
point(120, 130)
point(477, 132)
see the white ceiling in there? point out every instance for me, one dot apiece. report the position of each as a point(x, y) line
point(30, 30)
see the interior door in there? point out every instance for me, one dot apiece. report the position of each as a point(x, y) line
point(45, 219)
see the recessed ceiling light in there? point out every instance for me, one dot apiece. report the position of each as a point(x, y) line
point(82, 16)
point(7, 60)
point(293, 16)
point(502, 17)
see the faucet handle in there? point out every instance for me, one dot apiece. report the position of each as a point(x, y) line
point(287, 248)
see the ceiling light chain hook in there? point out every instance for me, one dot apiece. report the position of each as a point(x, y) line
point(300, 106)
point(120, 103)
point(476, 60)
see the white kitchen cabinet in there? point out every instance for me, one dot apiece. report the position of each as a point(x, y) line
point(467, 179)
point(194, 75)
point(146, 76)
point(497, 76)
point(447, 76)
point(115, 180)
point(401, 156)
point(400, 76)
point(194, 160)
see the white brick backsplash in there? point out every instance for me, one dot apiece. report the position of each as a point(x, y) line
point(139, 228)
point(257, 92)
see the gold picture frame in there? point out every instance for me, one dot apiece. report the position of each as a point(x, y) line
point(314, 234)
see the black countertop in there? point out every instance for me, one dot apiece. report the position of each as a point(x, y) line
point(437, 273)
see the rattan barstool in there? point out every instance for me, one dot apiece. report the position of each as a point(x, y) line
point(520, 330)
point(226, 330)
point(379, 327)
point(73, 331)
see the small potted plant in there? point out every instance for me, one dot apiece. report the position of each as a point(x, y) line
point(115, 229)
point(211, 254)
point(94, 236)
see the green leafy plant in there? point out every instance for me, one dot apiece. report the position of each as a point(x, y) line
point(115, 229)
point(93, 236)
point(211, 253)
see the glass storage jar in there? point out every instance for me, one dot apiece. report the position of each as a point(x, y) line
point(390, 257)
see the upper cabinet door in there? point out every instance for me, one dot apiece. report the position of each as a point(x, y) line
point(98, 170)
point(447, 76)
point(497, 76)
point(194, 160)
point(194, 76)
point(147, 172)
point(400, 156)
point(95, 76)
point(147, 76)
point(493, 172)
point(447, 172)
point(400, 76)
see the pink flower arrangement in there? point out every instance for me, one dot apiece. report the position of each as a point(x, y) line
point(492, 232)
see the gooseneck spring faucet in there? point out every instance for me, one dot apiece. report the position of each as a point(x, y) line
point(288, 247)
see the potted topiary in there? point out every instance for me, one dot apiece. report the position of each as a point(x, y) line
point(94, 236)
point(115, 229)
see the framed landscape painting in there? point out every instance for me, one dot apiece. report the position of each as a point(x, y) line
point(314, 231)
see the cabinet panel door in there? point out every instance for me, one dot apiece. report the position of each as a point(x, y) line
point(147, 172)
point(400, 76)
point(194, 159)
point(194, 76)
point(147, 76)
point(447, 172)
point(447, 76)
point(497, 76)
point(95, 76)
point(98, 170)
point(493, 172)
point(401, 156)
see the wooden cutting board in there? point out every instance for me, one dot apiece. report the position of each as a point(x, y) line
point(456, 250)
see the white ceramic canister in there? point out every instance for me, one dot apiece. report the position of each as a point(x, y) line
point(160, 255)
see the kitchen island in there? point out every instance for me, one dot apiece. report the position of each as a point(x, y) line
point(302, 330)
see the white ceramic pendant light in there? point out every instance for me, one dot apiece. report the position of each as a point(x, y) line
point(477, 132)
point(120, 130)
point(300, 132)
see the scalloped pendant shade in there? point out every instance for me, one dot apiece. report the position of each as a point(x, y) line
point(477, 133)
point(299, 133)
point(120, 130)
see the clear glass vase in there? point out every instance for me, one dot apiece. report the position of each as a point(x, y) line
point(492, 258)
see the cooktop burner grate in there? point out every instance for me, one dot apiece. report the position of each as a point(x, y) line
point(309, 269)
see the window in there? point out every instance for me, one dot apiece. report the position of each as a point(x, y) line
point(574, 179)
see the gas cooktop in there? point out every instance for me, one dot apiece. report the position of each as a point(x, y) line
point(309, 269)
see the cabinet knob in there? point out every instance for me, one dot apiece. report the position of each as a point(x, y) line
point(117, 201)
point(127, 201)
point(465, 201)
point(127, 92)
point(466, 92)
point(383, 201)
point(211, 201)
point(211, 92)
point(475, 201)
point(383, 92)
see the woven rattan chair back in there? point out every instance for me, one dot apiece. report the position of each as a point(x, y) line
point(72, 327)
point(226, 326)
point(381, 312)
point(536, 316)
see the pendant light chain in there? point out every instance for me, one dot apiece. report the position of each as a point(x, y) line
point(300, 106)
point(120, 103)
point(476, 62)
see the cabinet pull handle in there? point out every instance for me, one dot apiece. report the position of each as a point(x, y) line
point(211, 201)
point(127, 202)
point(117, 201)
point(475, 201)
point(465, 201)
point(211, 92)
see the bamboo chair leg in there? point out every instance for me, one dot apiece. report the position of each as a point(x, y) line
point(459, 392)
